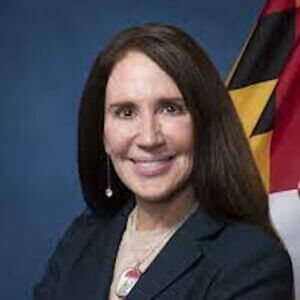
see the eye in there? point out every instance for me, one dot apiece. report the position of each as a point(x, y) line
point(172, 109)
point(125, 112)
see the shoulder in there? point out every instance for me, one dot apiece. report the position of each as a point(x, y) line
point(82, 228)
point(77, 236)
point(252, 262)
point(247, 239)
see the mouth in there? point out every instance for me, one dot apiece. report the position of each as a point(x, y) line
point(149, 167)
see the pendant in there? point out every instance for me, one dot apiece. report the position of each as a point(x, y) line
point(127, 281)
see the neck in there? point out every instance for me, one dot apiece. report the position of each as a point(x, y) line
point(155, 214)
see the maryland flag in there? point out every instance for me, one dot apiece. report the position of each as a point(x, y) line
point(265, 87)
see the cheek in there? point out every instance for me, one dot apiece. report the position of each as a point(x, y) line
point(116, 137)
point(181, 134)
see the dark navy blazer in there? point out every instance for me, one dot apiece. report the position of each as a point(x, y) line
point(204, 260)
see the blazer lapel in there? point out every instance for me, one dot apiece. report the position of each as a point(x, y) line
point(91, 275)
point(115, 231)
point(179, 254)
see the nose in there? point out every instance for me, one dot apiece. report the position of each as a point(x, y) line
point(150, 134)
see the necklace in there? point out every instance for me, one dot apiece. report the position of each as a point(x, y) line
point(131, 275)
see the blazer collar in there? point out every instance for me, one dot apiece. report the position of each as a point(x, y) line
point(179, 254)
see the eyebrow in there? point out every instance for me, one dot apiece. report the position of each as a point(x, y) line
point(161, 100)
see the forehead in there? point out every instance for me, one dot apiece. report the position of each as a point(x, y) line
point(136, 76)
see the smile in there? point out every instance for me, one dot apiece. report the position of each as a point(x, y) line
point(152, 167)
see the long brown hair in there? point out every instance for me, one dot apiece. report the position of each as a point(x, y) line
point(225, 178)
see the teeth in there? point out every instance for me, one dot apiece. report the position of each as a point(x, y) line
point(152, 161)
point(149, 164)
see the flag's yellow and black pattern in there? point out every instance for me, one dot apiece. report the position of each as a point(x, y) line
point(265, 87)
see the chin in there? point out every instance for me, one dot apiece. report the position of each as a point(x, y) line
point(154, 198)
point(156, 195)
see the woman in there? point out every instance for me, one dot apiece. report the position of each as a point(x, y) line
point(176, 207)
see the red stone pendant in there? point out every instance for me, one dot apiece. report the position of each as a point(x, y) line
point(127, 281)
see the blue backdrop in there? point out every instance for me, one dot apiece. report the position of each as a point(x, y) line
point(47, 48)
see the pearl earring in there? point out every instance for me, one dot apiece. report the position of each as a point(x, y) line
point(108, 190)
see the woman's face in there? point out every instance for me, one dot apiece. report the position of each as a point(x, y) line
point(147, 129)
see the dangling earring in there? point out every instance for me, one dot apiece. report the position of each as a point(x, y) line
point(108, 190)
